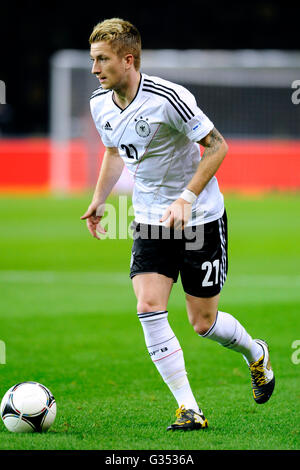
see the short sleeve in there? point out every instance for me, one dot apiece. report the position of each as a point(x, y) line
point(183, 114)
point(105, 140)
point(104, 137)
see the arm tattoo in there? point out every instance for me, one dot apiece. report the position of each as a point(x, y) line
point(215, 140)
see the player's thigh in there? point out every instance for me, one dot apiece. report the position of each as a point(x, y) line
point(154, 266)
point(203, 268)
point(153, 252)
point(202, 312)
point(152, 291)
point(203, 273)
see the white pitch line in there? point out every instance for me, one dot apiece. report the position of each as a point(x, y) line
point(262, 281)
point(51, 277)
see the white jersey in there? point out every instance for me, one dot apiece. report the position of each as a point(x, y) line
point(157, 135)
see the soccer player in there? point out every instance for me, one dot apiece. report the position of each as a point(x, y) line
point(154, 127)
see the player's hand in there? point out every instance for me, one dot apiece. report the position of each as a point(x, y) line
point(177, 214)
point(93, 217)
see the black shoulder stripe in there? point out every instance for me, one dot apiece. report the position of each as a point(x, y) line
point(100, 92)
point(177, 98)
point(189, 116)
point(151, 90)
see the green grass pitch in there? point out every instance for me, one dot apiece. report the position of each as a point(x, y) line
point(68, 320)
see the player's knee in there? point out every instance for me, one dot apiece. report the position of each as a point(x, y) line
point(201, 328)
point(202, 323)
point(149, 305)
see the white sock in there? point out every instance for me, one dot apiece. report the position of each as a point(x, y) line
point(167, 355)
point(228, 332)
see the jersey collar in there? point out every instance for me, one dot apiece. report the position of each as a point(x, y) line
point(137, 92)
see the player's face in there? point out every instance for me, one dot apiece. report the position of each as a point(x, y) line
point(108, 67)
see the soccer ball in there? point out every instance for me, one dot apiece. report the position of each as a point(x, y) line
point(28, 407)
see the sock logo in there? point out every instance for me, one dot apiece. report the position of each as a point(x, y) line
point(152, 353)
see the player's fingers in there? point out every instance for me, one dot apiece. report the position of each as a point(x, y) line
point(170, 221)
point(93, 232)
point(165, 216)
point(178, 224)
point(100, 229)
point(92, 228)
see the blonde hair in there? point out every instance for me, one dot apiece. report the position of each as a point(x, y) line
point(123, 37)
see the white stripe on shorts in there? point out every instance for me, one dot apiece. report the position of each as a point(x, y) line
point(223, 257)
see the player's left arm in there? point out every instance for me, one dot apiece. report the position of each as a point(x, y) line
point(215, 148)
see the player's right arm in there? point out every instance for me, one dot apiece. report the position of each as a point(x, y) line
point(111, 170)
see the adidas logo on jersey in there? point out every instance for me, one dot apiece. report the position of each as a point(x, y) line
point(108, 127)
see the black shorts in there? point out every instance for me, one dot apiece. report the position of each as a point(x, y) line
point(198, 253)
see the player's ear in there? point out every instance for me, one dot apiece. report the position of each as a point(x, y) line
point(129, 59)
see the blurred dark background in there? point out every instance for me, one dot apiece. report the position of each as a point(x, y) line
point(32, 31)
